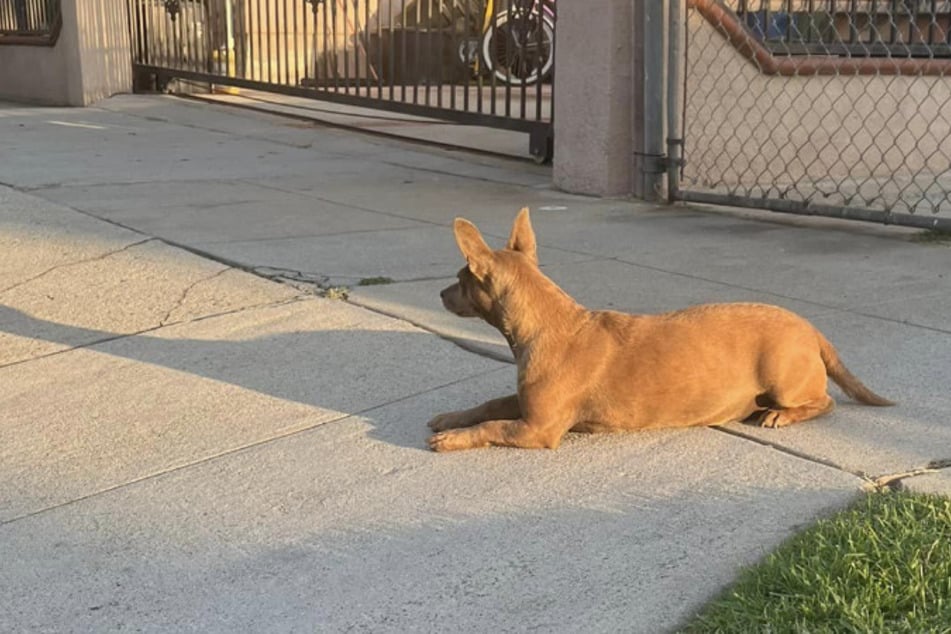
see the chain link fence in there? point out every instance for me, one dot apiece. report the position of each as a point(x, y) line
point(833, 107)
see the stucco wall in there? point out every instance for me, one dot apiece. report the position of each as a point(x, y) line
point(102, 49)
point(90, 60)
point(33, 74)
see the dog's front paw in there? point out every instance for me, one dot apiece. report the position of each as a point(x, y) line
point(448, 441)
point(449, 420)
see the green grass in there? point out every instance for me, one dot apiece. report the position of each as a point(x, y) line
point(883, 565)
point(933, 236)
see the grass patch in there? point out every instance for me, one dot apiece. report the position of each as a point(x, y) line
point(882, 565)
point(933, 236)
point(375, 281)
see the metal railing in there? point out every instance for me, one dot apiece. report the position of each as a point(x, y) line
point(818, 121)
point(29, 21)
point(877, 28)
point(474, 62)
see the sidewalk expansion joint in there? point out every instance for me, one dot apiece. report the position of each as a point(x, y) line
point(240, 449)
point(96, 258)
point(302, 236)
point(791, 452)
point(460, 342)
point(340, 203)
point(870, 483)
point(708, 280)
point(895, 481)
point(38, 189)
point(832, 310)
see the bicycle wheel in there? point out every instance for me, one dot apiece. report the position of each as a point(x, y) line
point(519, 50)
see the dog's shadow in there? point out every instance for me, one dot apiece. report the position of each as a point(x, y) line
point(360, 372)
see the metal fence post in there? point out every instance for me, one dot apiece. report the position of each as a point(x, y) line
point(675, 69)
point(649, 158)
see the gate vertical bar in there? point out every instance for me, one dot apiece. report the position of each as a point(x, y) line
point(379, 49)
point(366, 46)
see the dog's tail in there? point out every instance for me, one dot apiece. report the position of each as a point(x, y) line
point(845, 379)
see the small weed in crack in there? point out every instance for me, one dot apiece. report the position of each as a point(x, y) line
point(336, 292)
point(933, 236)
point(375, 281)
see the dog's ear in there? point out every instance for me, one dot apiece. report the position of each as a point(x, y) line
point(473, 247)
point(523, 236)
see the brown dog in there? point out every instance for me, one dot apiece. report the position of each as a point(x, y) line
point(594, 371)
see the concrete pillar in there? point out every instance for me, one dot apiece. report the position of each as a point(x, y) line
point(595, 97)
point(103, 60)
point(91, 60)
point(609, 137)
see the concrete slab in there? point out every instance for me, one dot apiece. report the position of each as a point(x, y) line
point(416, 194)
point(419, 303)
point(404, 254)
point(352, 525)
point(36, 236)
point(91, 419)
point(616, 285)
point(62, 267)
point(130, 139)
point(817, 265)
point(929, 306)
point(497, 141)
point(935, 483)
point(123, 291)
point(87, 148)
point(225, 211)
point(184, 112)
point(907, 365)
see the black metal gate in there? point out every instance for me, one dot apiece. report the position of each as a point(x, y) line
point(475, 62)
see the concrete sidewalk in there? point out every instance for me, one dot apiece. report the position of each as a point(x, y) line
point(194, 438)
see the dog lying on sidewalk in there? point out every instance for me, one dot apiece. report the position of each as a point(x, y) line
point(599, 371)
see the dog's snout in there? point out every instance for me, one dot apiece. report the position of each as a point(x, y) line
point(443, 292)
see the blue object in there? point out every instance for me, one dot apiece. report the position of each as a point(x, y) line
point(777, 29)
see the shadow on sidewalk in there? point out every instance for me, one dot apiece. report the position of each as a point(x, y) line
point(349, 371)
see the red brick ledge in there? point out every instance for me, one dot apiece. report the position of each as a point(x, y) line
point(729, 26)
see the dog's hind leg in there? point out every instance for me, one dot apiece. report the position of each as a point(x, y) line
point(505, 408)
point(798, 389)
point(776, 417)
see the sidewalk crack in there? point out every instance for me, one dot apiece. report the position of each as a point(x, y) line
point(102, 256)
point(164, 321)
point(300, 280)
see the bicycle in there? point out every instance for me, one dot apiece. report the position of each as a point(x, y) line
point(516, 45)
